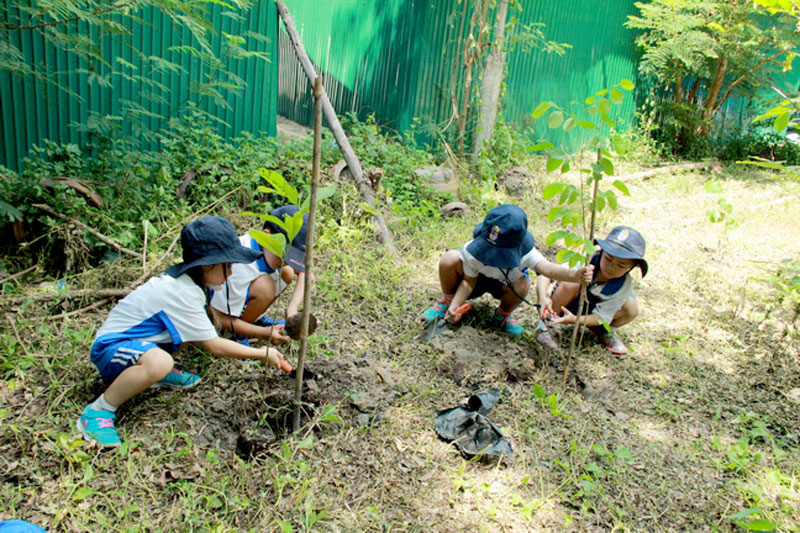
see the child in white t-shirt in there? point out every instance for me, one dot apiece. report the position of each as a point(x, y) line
point(496, 261)
point(132, 348)
point(253, 287)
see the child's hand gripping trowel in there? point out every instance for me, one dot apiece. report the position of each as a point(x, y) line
point(441, 324)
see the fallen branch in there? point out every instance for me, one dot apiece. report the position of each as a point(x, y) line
point(93, 231)
point(95, 305)
point(714, 166)
point(353, 164)
point(16, 334)
point(18, 274)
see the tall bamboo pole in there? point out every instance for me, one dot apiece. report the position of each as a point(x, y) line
point(312, 216)
point(582, 297)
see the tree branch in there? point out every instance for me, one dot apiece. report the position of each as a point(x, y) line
point(741, 78)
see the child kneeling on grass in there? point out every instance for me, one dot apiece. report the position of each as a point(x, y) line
point(496, 261)
point(610, 294)
point(132, 348)
point(253, 287)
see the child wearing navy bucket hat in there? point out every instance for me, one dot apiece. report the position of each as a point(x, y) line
point(610, 295)
point(496, 261)
point(132, 350)
point(253, 287)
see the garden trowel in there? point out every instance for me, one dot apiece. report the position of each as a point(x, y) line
point(439, 325)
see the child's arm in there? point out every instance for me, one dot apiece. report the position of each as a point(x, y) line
point(545, 304)
point(568, 318)
point(228, 349)
point(275, 334)
point(562, 272)
point(297, 295)
point(462, 293)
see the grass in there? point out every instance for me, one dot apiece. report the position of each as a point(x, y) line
point(694, 429)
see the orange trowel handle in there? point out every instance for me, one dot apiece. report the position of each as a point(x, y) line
point(285, 366)
point(460, 311)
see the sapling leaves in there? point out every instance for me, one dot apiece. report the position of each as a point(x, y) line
point(274, 242)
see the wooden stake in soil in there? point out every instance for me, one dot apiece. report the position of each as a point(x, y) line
point(312, 215)
point(353, 164)
point(582, 297)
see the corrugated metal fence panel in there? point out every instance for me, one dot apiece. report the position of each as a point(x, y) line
point(33, 111)
point(602, 54)
point(395, 58)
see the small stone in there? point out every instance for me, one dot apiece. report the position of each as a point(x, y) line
point(454, 209)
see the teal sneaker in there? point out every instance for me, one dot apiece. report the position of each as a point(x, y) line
point(438, 310)
point(178, 379)
point(507, 324)
point(98, 427)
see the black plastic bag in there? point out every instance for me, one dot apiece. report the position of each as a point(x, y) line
point(467, 427)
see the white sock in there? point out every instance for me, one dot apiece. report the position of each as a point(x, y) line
point(101, 404)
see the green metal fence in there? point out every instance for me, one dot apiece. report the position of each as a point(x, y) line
point(33, 110)
point(395, 58)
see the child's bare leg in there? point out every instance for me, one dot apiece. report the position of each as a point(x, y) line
point(510, 300)
point(263, 292)
point(451, 272)
point(153, 366)
point(626, 314)
point(564, 294)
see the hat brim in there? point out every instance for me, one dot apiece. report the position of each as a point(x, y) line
point(623, 253)
point(237, 254)
point(495, 256)
point(296, 258)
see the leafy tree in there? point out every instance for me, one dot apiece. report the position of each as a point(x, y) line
point(702, 52)
point(80, 27)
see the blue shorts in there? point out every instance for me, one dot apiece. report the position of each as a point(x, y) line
point(491, 285)
point(111, 359)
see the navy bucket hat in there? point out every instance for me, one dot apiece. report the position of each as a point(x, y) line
point(502, 238)
point(296, 254)
point(211, 241)
point(625, 243)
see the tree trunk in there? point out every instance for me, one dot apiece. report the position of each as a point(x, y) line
point(492, 81)
point(678, 87)
point(469, 60)
point(692, 98)
point(713, 93)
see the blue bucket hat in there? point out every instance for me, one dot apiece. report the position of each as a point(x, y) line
point(296, 254)
point(502, 238)
point(625, 243)
point(211, 241)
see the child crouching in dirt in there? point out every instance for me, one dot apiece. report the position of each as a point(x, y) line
point(252, 287)
point(610, 294)
point(132, 348)
point(497, 261)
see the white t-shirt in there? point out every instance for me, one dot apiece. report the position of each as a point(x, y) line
point(473, 267)
point(165, 311)
point(242, 275)
point(607, 298)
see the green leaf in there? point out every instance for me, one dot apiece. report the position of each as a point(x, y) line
point(541, 109)
point(781, 123)
point(623, 453)
point(586, 124)
point(565, 167)
point(715, 26)
point(552, 190)
point(604, 106)
point(286, 526)
point(763, 163)
point(556, 212)
point(611, 198)
point(538, 391)
point(540, 147)
point(555, 237)
point(615, 96)
point(602, 92)
point(274, 242)
point(608, 166)
point(280, 185)
point(590, 100)
point(569, 124)
point(621, 187)
point(607, 121)
point(553, 163)
point(760, 525)
point(627, 84)
point(555, 120)
point(713, 187)
point(563, 255)
point(572, 239)
point(744, 513)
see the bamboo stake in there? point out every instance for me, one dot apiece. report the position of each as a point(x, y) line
point(353, 164)
point(582, 297)
point(312, 215)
